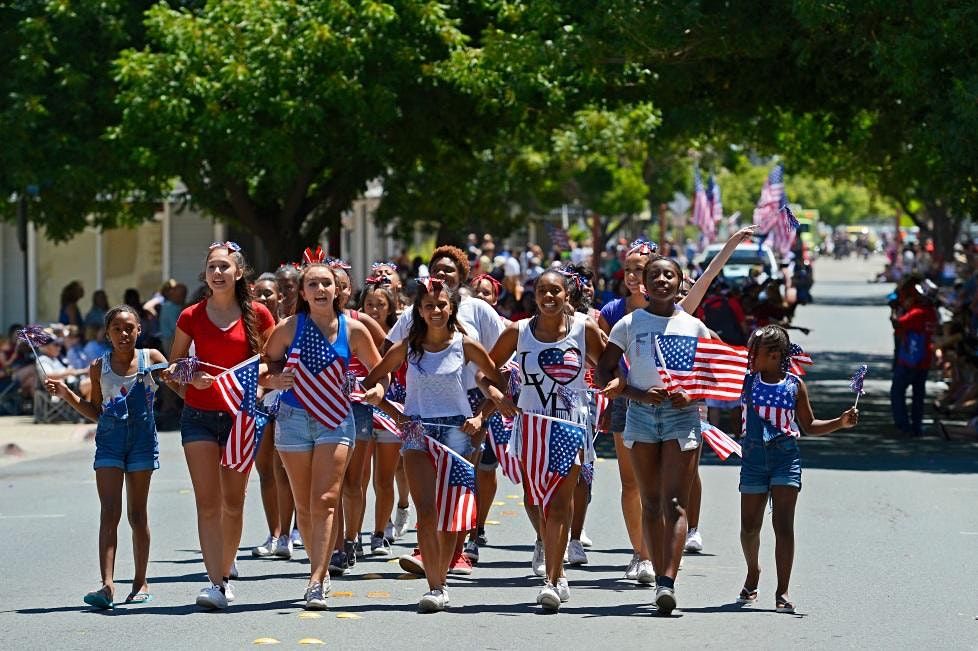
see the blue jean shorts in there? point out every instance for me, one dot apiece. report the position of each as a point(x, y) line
point(363, 421)
point(297, 431)
point(663, 422)
point(451, 436)
point(619, 408)
point(129, 444)
point(776, 464)
point(205, 425)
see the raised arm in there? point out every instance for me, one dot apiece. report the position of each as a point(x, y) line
point(696, 293)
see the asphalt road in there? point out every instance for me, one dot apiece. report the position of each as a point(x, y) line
point(886, 535)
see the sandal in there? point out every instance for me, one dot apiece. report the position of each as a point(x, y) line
point(99, 599)
point(139, 598)
point(782, 605)
point(747, 596)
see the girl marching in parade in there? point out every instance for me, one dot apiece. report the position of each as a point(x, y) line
point(226, 328)
point(774, 402)
point(310, 353)
point(126, 445)
point(551, 349)
point(436, 352)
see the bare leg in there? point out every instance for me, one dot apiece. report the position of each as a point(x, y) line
point(265, 465)
point(354, 499)
point(676, 475)
point(137, 496)
point(784, 499)
point(108, 482)
point(233, 485)
point(695, 494)
point(557, 525)
point(386, 460)
point(421, 479)
point(203, 460)
point(751, 519)
point(400, 478)
point(329, 465)
point(283, 492)
point(485, 488)
point(645, 457)
point(582, 494)
point(631, 504)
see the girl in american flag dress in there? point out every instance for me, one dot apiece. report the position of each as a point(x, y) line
point(774, 403)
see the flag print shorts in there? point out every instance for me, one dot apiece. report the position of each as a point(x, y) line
point(663, 422)
point(776, 464)
point(297, 431)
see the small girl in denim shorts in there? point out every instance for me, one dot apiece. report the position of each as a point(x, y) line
point(772, 400)
point(126, 447)
point(436, 351)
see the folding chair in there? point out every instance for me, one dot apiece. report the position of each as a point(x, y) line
point(10, 397)
point(48, 408)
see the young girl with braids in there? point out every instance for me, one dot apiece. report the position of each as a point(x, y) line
point(226, 328)
point(436, 352)
point(315, 427)
point(774, 402)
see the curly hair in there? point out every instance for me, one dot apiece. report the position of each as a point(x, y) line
point(457, 256)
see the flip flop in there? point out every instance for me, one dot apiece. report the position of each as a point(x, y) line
point(98, 599)
point(139, 598)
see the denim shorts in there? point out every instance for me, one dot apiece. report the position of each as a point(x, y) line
point(297, 431)
point(129, 444)
point(205, 425)
point(663, 422)
point(363, 421)
point(380, 435)
point(452, 437)
point(619, 407)
point(776, 464)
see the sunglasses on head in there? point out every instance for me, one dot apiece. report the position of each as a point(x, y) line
point(230, 246)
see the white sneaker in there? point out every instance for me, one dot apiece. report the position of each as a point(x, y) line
point(694, 541)
point(575, 553)
point(265, 549)
point(584, 539)
point(563, 589)
point(315, 597)
point(631, 572)
point(283, 547)
point(379, 546)
point(645, 573)
point(389, 532)
point(548, 598)
point(228, 592)
point(401, 517)
point(296, 539)
point(212, 598)
point(434, 601)
point(539, 562)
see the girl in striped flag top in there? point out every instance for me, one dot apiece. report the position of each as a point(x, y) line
point(308, 356)
point(226, 328)
point(436, 350)
point(552, 350)
point(774, 402)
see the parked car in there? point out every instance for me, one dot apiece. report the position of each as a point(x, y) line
point(745, 257)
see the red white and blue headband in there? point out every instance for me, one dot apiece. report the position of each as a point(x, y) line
point(496, 286)
point(234, 247)
point(431, 285)
point(310, 256)
point(642, 247)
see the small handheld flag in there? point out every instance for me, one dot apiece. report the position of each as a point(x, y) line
point(856, 383)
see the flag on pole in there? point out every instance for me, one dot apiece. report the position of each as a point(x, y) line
point(702, 212)
point(500, 433)
point(719, 441)
point(238, 387)
point(772, 215)
point(320, 377)
point(703, 368)
point(454, 488)
point(549, 448)
point(716, 202)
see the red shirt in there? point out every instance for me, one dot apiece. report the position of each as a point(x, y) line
point(915, 336)
point(226, 348)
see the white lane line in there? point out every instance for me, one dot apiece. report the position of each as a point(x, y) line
point(31, 516)
point(969, 533)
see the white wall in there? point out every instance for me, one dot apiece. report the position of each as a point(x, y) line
point(11, 271)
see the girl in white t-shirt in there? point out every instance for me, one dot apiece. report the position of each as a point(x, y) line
point(657, 418)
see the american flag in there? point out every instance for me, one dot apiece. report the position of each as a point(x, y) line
point(702, 212)
point(561, 365)
point(772, 215)
point(775, 403)
point(601, 403)
point(716, 203)
point(320, 377)
point(703, 368)
point(454, 488)
point(383, 421)
point(238, 387)
point(797, 360)
point(549, 448)
point(500, 432)
point(558, 236)
point(721, 443)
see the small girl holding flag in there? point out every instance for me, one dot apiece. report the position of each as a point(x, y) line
point(126, 446)
point(774, 402)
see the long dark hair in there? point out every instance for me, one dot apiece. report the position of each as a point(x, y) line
point(242, 294)
point(419, 328)
point(301, 304)
point(388, 295)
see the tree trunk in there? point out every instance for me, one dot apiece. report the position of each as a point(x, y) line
point(943, 228)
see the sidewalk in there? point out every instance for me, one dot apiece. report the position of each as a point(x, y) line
point(21, 439)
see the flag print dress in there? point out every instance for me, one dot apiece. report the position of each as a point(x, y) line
point(770, 446)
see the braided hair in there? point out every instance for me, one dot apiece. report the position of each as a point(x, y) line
point(771, 336)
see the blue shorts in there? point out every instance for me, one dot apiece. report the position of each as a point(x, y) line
point(205, 425)
point(451, 437)
point(363, 421)
point(297, 431)
point(129, 444)
point(663, 422)
point(619, 408)
point(776, 464)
